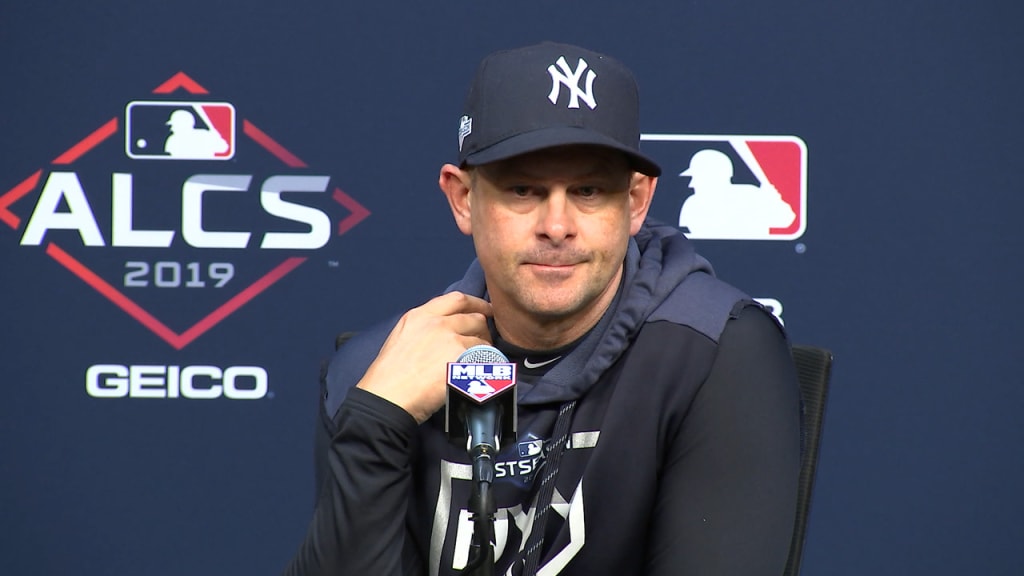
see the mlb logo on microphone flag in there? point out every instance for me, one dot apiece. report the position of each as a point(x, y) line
point(481, 382)
point(165, 130)
point(734, 187)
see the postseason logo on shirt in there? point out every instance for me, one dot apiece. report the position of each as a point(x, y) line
point(481, 382)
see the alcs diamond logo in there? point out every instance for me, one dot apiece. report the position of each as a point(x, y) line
point(180, 244)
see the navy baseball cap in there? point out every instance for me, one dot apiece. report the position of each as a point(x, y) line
point(551, 95)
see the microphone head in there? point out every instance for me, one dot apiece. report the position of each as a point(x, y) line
point(481, 373)
point(483, 354)
point(482, 378)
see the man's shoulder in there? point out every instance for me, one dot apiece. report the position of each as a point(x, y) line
point(351, 360)
point(702, 302)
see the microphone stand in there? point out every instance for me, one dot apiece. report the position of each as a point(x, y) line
point(482, 432)
point(482, 509)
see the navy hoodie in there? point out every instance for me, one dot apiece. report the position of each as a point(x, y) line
point(682, 453)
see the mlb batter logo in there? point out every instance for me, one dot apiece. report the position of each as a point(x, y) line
point(735, 187)
point(530, 448)
point(161, 130)
point(481, 381)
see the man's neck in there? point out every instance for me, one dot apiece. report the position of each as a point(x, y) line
point(538, 335)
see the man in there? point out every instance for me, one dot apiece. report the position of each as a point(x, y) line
point(660, 404)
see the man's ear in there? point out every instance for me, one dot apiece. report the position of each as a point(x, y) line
point(641, 192)
point(456, 184)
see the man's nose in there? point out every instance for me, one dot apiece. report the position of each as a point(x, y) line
point(557, 221)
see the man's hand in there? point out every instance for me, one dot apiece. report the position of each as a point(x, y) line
point(411, 368)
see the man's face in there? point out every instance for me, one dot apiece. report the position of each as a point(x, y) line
point(551, 229)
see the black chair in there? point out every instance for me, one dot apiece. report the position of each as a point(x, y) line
point(814, 368)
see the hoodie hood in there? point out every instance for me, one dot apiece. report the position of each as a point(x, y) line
point(658, 259)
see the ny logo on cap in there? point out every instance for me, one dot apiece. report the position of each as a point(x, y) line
point(571, 79)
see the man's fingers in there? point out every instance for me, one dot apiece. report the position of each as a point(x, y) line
point(456, 303)
point(470, 341)
point(409, 369)
point(474, 324)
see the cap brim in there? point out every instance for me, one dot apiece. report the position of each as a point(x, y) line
point(559, 136)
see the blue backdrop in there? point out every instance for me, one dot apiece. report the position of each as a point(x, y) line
point(164, 319)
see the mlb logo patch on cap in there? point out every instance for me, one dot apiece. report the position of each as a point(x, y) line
point(160, 130)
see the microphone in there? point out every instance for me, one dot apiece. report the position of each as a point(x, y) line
point(481, 396)
point(480, 404)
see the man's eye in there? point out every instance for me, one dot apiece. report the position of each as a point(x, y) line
point(587, 191)
point(521, 191)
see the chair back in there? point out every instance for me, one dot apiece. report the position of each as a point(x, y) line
point(814, 368)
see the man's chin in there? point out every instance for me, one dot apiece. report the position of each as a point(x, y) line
point(552, 310)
